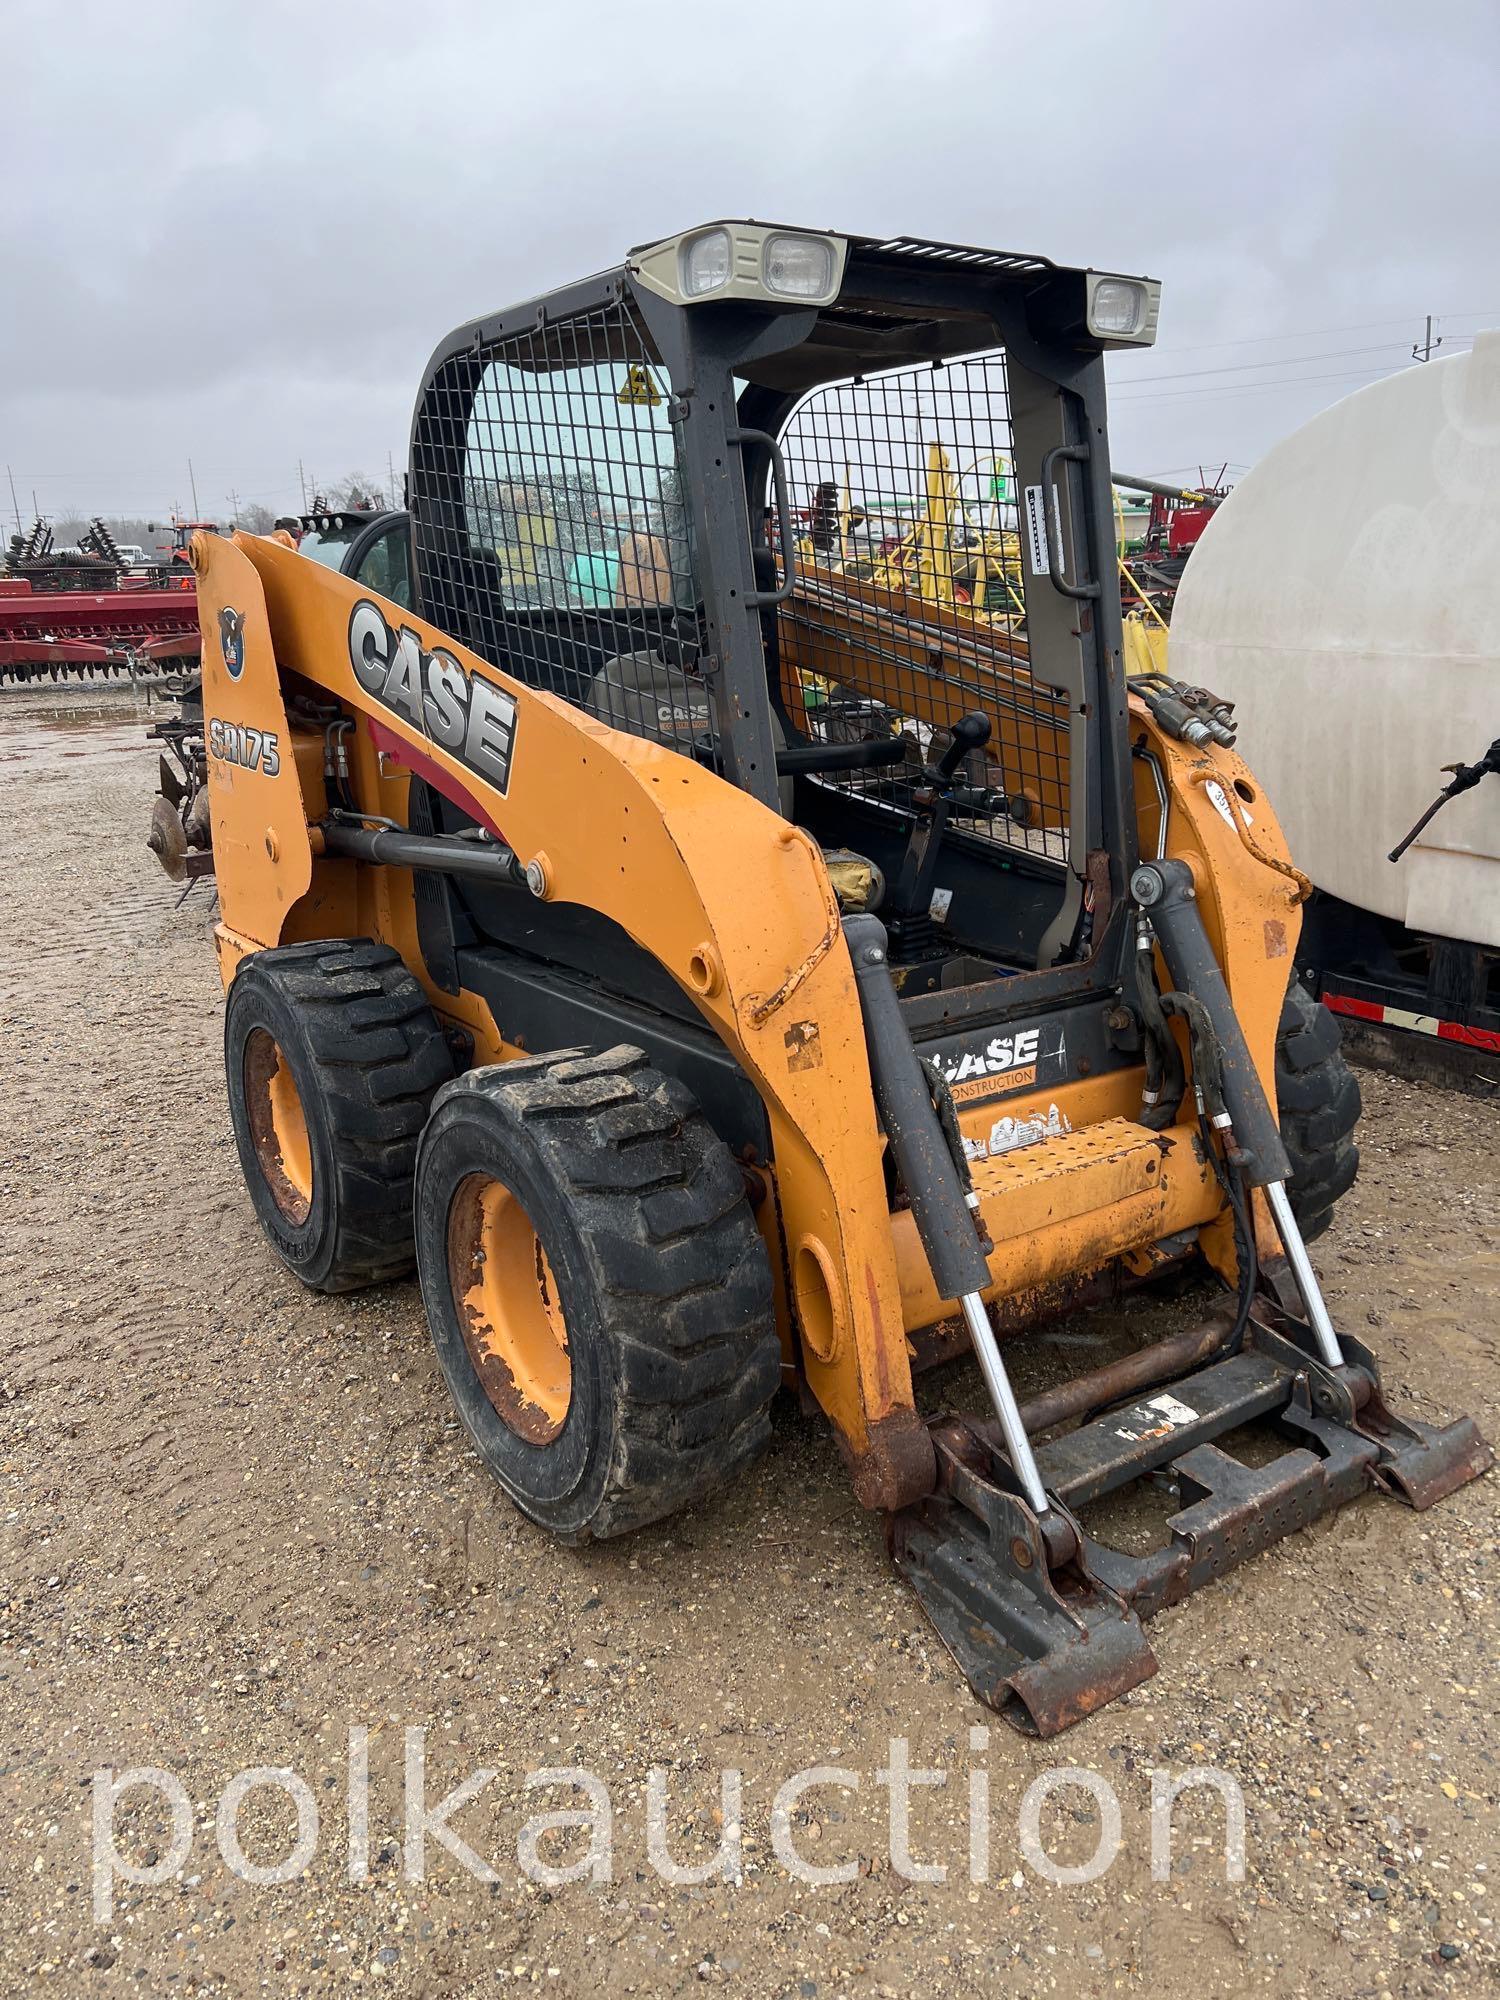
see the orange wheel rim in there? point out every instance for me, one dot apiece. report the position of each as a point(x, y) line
point(508, 1309)
point(278, 1126)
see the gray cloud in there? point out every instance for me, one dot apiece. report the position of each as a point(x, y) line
point(237, 233)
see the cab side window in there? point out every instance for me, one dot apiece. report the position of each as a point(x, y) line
point(572, 485)
point(386, 566)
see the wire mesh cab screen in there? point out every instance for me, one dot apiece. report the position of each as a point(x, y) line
point(573, 534)
point(909, 607)
point(561, 545)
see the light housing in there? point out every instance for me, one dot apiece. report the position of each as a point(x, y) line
point(1122, 312)
point(793, 266)
point(705, 262)
point(743, 260)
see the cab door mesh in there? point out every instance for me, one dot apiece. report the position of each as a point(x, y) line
point(550, 524)
point(909, 609)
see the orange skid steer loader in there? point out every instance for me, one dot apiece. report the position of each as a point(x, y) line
point(717, 970)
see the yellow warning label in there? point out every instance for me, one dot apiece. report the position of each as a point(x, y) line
point(639, 388)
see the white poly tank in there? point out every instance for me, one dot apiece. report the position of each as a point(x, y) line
point(1346, 598)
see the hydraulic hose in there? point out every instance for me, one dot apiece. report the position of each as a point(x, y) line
point(1166, 1080)
point(1215, 1126)
point(1464, 779)
point(1164, 893)
point(947, 1111)
point(1232, 1181)
point(1208, 1058)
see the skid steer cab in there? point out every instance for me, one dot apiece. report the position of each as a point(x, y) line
point(734, 927)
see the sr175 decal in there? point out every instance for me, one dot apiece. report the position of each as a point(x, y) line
point(237, 743)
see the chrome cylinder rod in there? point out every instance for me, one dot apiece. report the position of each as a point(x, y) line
point(992, 1368)
point(1305, 1275)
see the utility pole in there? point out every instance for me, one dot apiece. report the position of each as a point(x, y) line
point(234, 504)
point(15, 503)
point(302, 482)
point(390, 466)
point(194, 484)
point(1423, 350)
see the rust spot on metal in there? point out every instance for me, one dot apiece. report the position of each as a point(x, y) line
point(898, 1466)
point(1097, 890)
point(882, 1358)
point(762, 1010)
point(1160, 1362)
point(509, 1310)
point(804, 1048)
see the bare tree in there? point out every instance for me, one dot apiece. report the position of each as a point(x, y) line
point(356, 489)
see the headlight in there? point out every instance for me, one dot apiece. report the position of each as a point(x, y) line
point(742, 260)
point(797, 267)
point(1119, 307)
point(1123, 309)
point(705, 263)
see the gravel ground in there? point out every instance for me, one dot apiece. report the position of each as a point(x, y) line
point(240, 1521)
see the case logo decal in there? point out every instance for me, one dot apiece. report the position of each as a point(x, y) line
point(232, 641)
point(1020, 1059)
point(464, 714)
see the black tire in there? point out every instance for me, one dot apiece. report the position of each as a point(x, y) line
point(1319, 1102)
point(640, 1219)
point(366, 1056)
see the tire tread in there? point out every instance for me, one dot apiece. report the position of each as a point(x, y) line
point(681, 1272)
point(1320, 1105)
point(379, 1059)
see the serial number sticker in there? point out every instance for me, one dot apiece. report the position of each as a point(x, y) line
point(1156, 1419)
point(1036, 531)
point(1175, 1412)
point(1219, 800)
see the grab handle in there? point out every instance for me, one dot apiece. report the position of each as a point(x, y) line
point(759, 599)
point(1079, 454)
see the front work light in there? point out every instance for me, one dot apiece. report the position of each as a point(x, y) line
point(797, 267)
point(1123, 311)
point(705, 263)
point(743, 260)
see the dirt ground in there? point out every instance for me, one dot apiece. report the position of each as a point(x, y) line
point(240, 1521)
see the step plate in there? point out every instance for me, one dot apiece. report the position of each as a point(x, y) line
point(1066, 1176)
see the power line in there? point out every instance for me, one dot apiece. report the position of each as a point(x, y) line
point(165, 476)
point(1255, 388)
point(1319, 332)
point(1281, 361)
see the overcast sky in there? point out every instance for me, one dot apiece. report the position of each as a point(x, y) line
point(236, 232)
